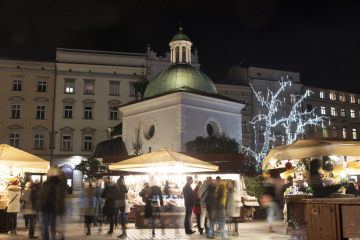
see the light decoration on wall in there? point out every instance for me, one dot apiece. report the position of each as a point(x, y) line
point(9, 173)
point(293, 124)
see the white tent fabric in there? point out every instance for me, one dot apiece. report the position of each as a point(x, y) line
point(13, 157)
point(313, 148)
point(162, 161)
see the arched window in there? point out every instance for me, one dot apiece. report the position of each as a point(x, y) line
point(177, 54)
point(183, 54)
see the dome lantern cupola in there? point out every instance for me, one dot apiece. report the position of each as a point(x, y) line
point(180, 47)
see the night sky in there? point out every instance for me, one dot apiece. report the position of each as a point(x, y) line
point(319, 39)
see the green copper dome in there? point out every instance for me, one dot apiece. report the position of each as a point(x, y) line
point(180, 36)
point(177, 76)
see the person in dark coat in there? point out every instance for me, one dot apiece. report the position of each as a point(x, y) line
point(98, 202)
point(87, 204)
point(47, 203)
point(189, 204)
point(351, 189)
point(29, 201)
point(167, 189)
point(154, 192)
point(111, 195)
point(211, 206)
point(197, 207)
point(60, 203)
point(122, 195)
point(144, 194)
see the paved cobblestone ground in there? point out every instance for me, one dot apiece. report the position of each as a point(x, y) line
point(250, 230)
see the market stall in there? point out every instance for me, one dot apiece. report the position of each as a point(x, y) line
point(13, 164)
point(157, 168)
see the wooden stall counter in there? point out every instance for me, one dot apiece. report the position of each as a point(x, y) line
point(332, 218)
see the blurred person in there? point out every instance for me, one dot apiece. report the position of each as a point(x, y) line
point(13, 194)
point(122, 192)
point(232, 207)
point(154, 193)
point(48, 200)
point(87, 204)
point(189, 204)
point(145, 192)
point(127, 210)
point(29, 202)
point(221, 191)
point(60, 203)
point(351, 189)
point(203, 191)
point(268, 201)
point(167, 189)
point(98, 202)
point(197, 207)
point(111, 194)
point(210, 201)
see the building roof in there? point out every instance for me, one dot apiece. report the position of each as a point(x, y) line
point(112, 147)
point(180, 36)
point(177, 76)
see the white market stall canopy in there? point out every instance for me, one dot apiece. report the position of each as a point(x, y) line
point(313, 148)
point(163, 161)
point(13, 157)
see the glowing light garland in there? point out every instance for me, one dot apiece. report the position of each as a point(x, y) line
point(294, 124)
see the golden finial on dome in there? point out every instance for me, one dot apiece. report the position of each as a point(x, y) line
point(180, 22)
point(180, 28)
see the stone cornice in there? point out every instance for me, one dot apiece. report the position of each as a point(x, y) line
point(331, 102)
point(96, 75)
point(20, 62)
point(27, 70)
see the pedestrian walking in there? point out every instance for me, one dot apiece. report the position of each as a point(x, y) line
point(189, 204)
point(232, 207)
point(210, 207)
point(111, 195)
point(29, 201)
point(14, 194)
point(221, 191)
point(60, 203)
point(122, 198)
point(268, 201)
point(197, 207)
point(144, 194)
point(151, 200)
point(167, 189)
point(203, 192)
point(88, 205)
point(98, 202)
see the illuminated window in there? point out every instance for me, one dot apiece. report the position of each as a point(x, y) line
point(292, 98)
point(333, 111)
point(89, 86)
point(323, 111)
point(354, 133)
point(352, 113)
point(344, 133)
point(342, 98)
point(358, 100)
point(69, 86)
point(334, 132)
point(343, 113)
point(322, 95)
point(308, 92)
point(325, 132)
point(260, 94)
point(331, 96)
point(352, 99)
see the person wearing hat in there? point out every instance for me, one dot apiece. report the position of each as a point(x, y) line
point(189, 204)
point(14, 194)
point(29, 201)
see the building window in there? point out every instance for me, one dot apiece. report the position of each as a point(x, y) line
point(354, 134)
point(89, 87)
point(88, 143)
point(68, 111)
point(69, 86)
point(278, 137)
point(17, 85)
point(66, 143)
point(322, 95)
point(352, 113)
point(332, 96)
point(359, 100)
point(260, 94)
point(40, 112)
point(114, 88)
point(292, 98)
point(309, 107)
point(323, 111)
point(344, 133)
point(88, 112)
point(41, 86)
point(261, 136)
point(132, 90)
point(39, 141)
point(244, 126)
point(333, 111)
point(342, 98)
point(352, 99)
point(16, 111)
point(114, 113)
point(334, 132)
point(343, 113)
point(325, 132)
point(308, 92)
point(14, 140)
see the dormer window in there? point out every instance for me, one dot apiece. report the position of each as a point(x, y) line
point(322, 94)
